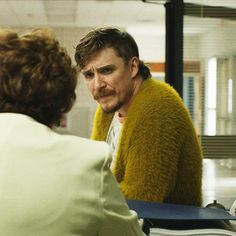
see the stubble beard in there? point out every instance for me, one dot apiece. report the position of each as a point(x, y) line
point(113, 108)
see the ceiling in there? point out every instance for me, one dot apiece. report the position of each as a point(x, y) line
point(80, 13)
point(133, 14)
point(87, 13)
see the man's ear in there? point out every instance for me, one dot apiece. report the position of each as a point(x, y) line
point(134, 66)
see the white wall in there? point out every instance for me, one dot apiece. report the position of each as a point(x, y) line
point(151, 47)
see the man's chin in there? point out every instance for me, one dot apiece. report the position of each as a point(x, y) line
point(109, 110)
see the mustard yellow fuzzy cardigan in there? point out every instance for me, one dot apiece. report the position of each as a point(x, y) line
point(159, 156)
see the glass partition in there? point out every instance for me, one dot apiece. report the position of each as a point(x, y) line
point(210, 40)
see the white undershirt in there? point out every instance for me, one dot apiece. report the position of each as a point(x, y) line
point(113, 136)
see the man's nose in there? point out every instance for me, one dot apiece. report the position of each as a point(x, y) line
point(99, 82)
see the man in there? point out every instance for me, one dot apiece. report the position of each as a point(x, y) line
point(156, 153)
point(51, 184)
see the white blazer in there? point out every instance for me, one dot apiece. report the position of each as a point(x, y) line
point(57, 185)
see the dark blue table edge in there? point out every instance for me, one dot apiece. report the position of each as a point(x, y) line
point(166, 211)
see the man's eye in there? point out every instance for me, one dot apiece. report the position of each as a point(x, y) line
point(88, 75)
point(107, 70)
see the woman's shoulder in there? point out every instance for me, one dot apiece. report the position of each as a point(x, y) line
point(85, 150)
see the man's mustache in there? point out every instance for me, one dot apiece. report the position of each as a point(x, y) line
point(103, 94)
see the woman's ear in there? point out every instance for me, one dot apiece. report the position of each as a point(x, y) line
point(134, 66)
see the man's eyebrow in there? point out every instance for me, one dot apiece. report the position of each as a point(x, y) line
point(86, 71)
point(106, 67)
point(110, 66)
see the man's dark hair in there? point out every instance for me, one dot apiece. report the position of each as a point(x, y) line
point(36, 76)
point(122, 42)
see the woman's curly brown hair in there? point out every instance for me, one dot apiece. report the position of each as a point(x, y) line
point(36, 76)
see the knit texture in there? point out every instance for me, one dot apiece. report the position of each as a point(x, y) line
point(158, 156)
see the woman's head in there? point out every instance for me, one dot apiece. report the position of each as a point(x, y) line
point(36, 75)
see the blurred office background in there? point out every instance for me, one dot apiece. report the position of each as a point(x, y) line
point(209, 65)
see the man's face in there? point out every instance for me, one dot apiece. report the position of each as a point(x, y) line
point(110, 81)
